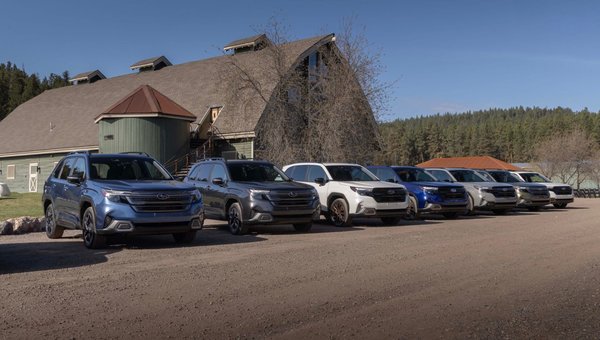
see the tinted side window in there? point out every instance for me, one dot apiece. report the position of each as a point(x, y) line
point(386, 174)
point(218, 172)
point(79, 167)
point(314, 172)
point(192, 175)
point(290, 172)
point(300, 173)
point(57, 169)
point(66, 169)
point(203, 172)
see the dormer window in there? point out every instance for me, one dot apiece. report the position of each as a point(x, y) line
point(87, 77)
point(151, 64)
point(254, 43)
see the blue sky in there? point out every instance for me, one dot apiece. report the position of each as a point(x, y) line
point(442, 56)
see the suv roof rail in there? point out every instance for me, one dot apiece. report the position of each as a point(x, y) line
point(212, 159)
point(135, 153)
point(85, 152)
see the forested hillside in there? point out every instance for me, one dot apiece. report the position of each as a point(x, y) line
point(508, 134)
point(16, 86)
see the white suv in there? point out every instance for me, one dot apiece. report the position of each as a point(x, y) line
point(560, 194)
point(350, 190)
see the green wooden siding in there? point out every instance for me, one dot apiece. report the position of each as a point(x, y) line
point(21, 181)
point(243, 147)
point(161, 138)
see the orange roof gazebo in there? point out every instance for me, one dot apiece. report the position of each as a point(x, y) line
point(475, 162)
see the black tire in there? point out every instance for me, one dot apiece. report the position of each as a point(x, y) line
point(186, 237)
point(88, 225)
point(500, 211)
point(560, 205)
point(53, 231)
point(391, 220)
point(339, 214)
point(303, 227)
point(412, 212)
point(450, 215)
point(235, 220)
point(533, 208)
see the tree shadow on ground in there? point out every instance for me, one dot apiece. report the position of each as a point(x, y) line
point(54, 254)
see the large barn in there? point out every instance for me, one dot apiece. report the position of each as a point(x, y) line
point(175, 113)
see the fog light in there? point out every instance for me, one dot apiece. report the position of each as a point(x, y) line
point(196, 224)
point(265, 218)
point(370, 211)
point(123, 226)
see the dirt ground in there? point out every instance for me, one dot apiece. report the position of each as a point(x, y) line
point(533, 275)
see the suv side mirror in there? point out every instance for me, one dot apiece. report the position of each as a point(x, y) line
point(391, 180)
point(179, 178)
point(218, 181)
point(74, 179)
point(320, 180)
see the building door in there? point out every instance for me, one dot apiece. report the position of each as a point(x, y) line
point(33, 177)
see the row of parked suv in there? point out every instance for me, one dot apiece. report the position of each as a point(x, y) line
point(111, 194)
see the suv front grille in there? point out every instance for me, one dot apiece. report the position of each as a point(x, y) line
point(389, 195)
point(291, 198)
point(563, 190)
point(538, 191)
point(451, 192)
point(503, 191)
point(164, 201)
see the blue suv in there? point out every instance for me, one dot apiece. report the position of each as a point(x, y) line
point(427, 195)
point(109, 194)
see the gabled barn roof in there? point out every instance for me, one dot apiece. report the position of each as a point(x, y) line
point(476, 162)
point(64, 118)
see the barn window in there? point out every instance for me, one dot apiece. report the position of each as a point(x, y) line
point(214, 112)
point(10, 171)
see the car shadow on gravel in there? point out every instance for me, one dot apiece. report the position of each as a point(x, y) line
point(287, 229)
point(36, 256)
point(375, 222)
point(206, 237)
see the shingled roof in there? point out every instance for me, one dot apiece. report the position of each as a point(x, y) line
point(476, 162)
point(64, 118)
point(146, 102)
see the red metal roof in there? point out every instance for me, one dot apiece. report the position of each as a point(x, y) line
point(145, 101)
point(476, 162)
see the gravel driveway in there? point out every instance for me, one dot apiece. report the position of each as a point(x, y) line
point(520, 275)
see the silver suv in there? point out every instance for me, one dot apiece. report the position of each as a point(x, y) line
point(483, 194)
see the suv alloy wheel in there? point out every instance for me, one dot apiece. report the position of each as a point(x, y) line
point(338, 213)
point(88, 224)
point(236, 224)
point(52, 230)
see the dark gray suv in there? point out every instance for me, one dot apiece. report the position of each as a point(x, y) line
point(244, 192)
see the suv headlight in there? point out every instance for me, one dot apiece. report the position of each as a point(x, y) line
point(259, 194)
point(196, 196)
point(524, 189)
point(430, 190)
point(362, 191)
point(480, 188)
point(116, 196)
point(314, 193)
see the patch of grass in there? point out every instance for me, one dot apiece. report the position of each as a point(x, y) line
point(18, 205)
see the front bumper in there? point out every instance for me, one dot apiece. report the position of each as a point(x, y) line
point(366, 206)
point(122, 219)
point(557, 199)
point(488, 201)
point(435, 208)
point(265, 213)
point(528, 200)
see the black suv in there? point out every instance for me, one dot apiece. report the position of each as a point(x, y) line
point(244, 192)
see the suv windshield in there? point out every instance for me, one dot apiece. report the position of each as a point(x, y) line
point(349, 173)
point(137, 169)
point(534, 177)
point(255, 172)
point(414, 175)
point(504, 177)
point(467, 176)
